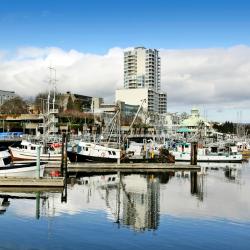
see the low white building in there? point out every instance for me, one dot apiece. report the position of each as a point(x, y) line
point(133, 97)
point(154, 102)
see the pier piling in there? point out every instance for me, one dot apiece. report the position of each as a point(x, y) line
point(38, 152)
point(194, 146)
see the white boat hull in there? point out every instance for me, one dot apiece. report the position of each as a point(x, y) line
point(20, 154)
point(21, 170)
point(90, 152)
point(208, 158)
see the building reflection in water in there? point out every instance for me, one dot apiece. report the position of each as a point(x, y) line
point(131, 200)
point(141, 198)
point(137, 196)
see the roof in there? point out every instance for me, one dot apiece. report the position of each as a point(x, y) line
point(184, 130)
point(193, 121)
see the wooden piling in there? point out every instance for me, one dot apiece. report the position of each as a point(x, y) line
point(194, 147)
point(62, 158)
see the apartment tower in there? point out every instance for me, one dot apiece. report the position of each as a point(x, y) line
point(142, 80)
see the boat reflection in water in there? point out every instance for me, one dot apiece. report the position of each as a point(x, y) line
point(6, 198)
point(139, 201)
point(131, 200)
point(177, 209)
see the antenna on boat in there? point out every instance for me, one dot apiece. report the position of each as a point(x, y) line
point(52, 81)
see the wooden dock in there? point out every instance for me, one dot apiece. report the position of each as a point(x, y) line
point(124, 167)
point(57, 182)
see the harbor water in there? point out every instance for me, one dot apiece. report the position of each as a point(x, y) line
point(173, 210)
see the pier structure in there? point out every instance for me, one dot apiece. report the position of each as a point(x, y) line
point(76, 168)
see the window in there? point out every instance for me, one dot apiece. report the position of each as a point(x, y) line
point(7, 160)
point(33, 148)
point(114, 153)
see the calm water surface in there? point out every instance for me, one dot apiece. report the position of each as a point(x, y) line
point(175, 210)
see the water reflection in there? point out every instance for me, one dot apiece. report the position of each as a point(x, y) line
point(138, 201)
point(4, 203)
point(6, 198)
point(141, 198)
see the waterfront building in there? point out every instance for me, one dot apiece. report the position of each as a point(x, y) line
point(75, 101)
point(142, 80)
point(6, 95)
point(194, 122)
point(27, 123)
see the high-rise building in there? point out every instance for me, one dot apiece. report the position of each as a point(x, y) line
point(142, 80)
point(142, 69)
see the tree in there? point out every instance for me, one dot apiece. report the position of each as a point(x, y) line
point(226, 127)
point(70, 104)
point(41, 101)
point(74, 117)
point(14, 106)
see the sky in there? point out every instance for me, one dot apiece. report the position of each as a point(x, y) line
point(204, 47)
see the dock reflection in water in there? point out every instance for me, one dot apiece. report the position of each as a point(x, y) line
point(164, 203)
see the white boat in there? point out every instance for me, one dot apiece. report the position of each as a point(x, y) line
point(244, 148)
point(28, 151)
point(182, 152)
point(7, 168)
point(91, 152)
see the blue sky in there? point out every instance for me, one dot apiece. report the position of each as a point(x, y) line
point(204, 45)
point(97, 25)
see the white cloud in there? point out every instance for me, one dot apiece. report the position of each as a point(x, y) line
point(216, 77)
point(26, 72)
point(207, 76)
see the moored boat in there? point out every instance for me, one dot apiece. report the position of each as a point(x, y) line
point(91, 152)
point(28, 151)
point(182, 152)
point(8, 168)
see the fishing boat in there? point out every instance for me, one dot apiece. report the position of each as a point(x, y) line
point(182, 152)
point(149, 152)
point(92, 152)
point(244, 148)
point(28, 151)
point(8, 168)
point(49, 143)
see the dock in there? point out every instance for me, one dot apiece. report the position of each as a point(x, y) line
point(124, 167)
point(26, 182)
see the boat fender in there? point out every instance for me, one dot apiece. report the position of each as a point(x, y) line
point(102, 154)
point(55, 173)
